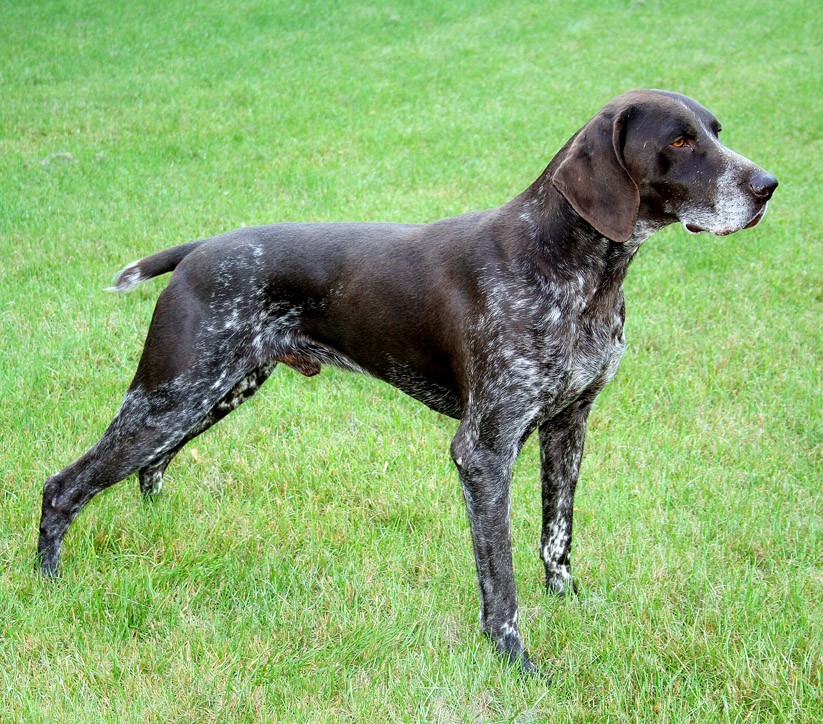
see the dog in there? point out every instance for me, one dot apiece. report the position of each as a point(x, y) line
point(509, 320)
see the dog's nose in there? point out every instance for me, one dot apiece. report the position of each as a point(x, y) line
point(763, 185)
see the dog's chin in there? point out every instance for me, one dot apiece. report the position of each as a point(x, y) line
point(755, 220)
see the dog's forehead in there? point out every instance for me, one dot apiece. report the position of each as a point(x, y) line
point(664, 106)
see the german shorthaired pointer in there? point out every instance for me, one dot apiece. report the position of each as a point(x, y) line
point(509, 320)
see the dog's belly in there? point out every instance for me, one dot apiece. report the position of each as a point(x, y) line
point(284, 343)
point(436, 395)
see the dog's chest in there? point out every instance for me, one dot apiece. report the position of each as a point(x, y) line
point(595, 352)
point(545, 352)
point(577, 351)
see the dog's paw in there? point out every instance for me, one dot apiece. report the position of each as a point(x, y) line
point(48, 556)
point(524, 666)
point(151, 481)
point(559, 580)
point(509, 645)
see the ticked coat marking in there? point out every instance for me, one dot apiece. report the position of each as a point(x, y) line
point(509, 320)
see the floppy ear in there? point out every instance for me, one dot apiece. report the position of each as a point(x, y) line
point(594, 180)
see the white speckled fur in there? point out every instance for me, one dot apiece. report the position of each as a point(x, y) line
point(510, 320)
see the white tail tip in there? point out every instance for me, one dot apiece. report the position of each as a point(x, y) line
point(128, 279)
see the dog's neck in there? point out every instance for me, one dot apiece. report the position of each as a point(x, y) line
point(571, 248)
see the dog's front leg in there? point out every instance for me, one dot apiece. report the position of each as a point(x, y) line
point(561, 449)
point(485, 475)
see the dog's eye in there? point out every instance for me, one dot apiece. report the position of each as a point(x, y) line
point(680, 143)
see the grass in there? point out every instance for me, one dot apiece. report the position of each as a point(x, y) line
point(309, 559)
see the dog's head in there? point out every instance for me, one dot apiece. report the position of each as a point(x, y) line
point(655, 157)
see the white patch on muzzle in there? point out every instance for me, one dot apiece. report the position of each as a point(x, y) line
point(734, 206)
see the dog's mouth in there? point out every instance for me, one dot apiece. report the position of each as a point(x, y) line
point(695, 229)
point(757, 217)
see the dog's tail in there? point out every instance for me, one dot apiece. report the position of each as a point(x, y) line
point(152, 266)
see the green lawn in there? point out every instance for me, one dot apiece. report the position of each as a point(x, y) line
point(309, 559)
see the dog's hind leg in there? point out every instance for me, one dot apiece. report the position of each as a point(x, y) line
point(147, 427)
point(151, 476)
point(188, 366)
